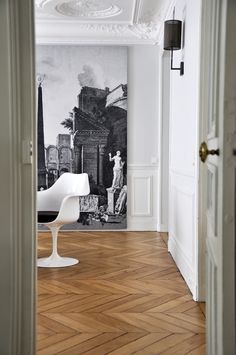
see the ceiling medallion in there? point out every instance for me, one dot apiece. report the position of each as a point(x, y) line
point(80, 8)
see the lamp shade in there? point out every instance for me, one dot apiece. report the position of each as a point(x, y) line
point(172, 35)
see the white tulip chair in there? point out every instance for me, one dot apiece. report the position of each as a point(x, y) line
point(57, 206)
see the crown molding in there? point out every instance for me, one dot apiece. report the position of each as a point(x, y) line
point(58, 32)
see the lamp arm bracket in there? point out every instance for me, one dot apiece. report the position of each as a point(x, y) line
point(181, 68)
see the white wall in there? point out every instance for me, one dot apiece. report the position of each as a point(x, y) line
point(142, 137)
point(183, 155)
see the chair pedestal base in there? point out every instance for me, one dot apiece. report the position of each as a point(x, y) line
point(56, 261)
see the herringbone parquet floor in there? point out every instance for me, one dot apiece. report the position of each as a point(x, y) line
point(125, 297)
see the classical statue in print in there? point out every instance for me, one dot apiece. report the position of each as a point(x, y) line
point(117, 182)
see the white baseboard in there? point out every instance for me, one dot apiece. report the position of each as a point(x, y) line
point(183, 264)
point(142, 224)
point(162, 228)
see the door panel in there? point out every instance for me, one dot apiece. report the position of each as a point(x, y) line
point(212, 197)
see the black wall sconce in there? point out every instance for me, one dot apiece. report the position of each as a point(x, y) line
point(172, 40)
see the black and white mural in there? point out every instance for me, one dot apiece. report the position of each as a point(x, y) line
point(82, 126)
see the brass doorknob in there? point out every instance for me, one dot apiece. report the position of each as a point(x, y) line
point(204, 152)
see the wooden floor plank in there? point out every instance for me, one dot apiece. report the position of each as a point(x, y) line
point(60, 343)
point(163, 345)
point(91, 344)
point(125, 297)
point(192, 343)
point(114, 344)
point(140, 343)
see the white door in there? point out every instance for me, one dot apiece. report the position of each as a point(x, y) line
point(218, 111)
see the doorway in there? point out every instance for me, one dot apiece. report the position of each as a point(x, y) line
point(16, 252)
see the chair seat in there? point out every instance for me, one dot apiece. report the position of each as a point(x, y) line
point(60, 205)
point(47, 216)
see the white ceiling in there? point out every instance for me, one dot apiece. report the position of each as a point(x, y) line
point(100, 21)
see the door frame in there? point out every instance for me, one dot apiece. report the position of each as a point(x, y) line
point(18, 183)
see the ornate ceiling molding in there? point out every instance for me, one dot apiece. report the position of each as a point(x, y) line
point(147, 31)
point(147, 28)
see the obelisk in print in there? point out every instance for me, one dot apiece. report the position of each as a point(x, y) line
point(42, 171)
